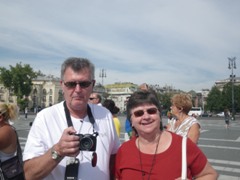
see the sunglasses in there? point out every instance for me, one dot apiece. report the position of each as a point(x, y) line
point(150, 111)
point(73, 84)
point(92, 98)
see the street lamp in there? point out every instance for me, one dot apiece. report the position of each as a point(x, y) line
point(232, 65)
point(102, 74)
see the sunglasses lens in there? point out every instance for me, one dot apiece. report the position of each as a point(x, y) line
point(138, 113)
point(70, 84)
point(94, 159)
point(152, 111)
point(85, 84)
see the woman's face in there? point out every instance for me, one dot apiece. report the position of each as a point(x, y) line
point(174, 110)
point(145, 119)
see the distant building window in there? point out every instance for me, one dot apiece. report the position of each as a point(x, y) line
point(60, 96)
point(50, 99)
point(44, 92)
point(35, 91)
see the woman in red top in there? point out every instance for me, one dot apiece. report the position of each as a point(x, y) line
point(156, 154)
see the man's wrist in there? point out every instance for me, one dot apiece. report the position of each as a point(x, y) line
point(55, 154)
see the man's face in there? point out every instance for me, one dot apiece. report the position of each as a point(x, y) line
point(93, 98)
point(77, 87)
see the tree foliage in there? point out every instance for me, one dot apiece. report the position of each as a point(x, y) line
point(6, 78)
point(214, 100)
point(237, 98)
point(18, 79)
point(165, 100)
point(218, 100)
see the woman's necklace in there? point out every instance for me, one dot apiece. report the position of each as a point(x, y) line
point(153, 161)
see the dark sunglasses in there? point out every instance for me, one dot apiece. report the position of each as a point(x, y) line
point(92, 98)
point(150, 111)
point(73, 84)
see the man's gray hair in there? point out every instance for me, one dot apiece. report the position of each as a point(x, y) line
point(77, 65)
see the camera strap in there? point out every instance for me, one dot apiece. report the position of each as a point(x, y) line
point(68, 117)
point(71, 172)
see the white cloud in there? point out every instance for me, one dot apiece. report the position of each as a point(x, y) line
point(180, 43)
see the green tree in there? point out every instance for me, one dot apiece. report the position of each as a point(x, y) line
point(237, 98)
point(227, 96)
point(6, 78)
point(214, 100)
point(165, 100)
point(18, 79)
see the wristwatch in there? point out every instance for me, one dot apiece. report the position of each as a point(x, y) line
point(55, 155)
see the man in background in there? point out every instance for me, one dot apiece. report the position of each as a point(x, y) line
point(95, 98)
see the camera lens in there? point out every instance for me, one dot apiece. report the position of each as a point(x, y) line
point(86, 143)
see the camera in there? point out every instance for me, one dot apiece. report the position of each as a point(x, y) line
point(87, 142)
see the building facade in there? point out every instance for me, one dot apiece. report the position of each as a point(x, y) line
point(120, 92)
point(46, 91)
point(6, 95)
point(220, 84)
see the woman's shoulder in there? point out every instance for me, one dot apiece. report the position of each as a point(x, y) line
point(129, 144)
point(6, 136)
point(191, 120)
point(7, 130)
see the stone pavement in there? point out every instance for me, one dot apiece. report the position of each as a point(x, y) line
point(221, 148)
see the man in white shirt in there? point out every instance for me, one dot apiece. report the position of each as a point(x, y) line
point(53, 146)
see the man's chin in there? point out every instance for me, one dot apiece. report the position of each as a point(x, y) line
point(77, 102)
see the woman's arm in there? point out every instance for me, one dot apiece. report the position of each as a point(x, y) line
point(194, 133)
point(208, 173)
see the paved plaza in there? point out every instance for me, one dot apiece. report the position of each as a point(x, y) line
point(221, 145)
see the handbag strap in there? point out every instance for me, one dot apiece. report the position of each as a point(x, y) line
point(19, 150)
point(184, 158)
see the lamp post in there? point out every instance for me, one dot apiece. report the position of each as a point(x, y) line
point(232, 65)
point(102, 74)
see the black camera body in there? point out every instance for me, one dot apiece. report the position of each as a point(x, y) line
point(87, 142)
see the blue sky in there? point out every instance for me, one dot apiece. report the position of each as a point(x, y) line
point(184, 44)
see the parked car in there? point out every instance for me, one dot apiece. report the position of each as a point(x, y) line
point(207, 114)
point(221, 114)
point(196, 111)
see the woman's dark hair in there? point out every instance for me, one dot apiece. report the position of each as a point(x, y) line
point(139, 98)
point(110, 105)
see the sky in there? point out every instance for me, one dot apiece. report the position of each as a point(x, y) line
point(183, 44)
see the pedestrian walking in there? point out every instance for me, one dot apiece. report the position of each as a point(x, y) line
point(26, 112)
point(227, 117)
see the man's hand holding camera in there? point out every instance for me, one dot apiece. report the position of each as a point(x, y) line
point(68, 144)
